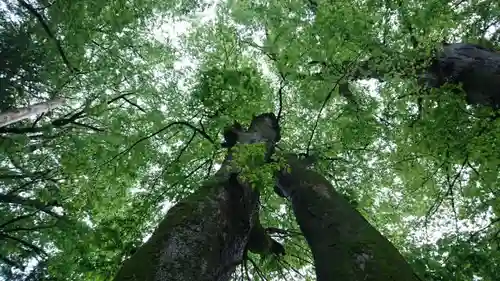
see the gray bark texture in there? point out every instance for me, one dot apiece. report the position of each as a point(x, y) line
point(204, 237)
point(345, 246)
point(474, 67)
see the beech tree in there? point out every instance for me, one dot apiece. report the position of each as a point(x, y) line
point(205, 236)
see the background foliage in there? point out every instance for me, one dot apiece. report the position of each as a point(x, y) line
point(150, 85)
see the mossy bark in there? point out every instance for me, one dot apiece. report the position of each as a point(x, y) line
point(204, 237)
point(201, 238)
point(344, 244)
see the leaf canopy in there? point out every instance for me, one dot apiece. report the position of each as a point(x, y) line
point(150, 86)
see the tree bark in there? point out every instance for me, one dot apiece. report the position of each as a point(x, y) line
point(474, 67)
point(16, 115)
point(205, 236)
point(200, 238)
point(344, 245)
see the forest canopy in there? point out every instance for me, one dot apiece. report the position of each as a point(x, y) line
point(396, 101)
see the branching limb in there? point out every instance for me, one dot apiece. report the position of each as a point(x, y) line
point(16, 219)
point(39, 251)
point(18, 200)
point(204, 134)
point(41, 20)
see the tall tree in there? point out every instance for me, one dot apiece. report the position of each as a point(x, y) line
point(344, 244)
point(205, 236)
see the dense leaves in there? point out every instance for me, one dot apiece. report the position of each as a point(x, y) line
point(150, 85)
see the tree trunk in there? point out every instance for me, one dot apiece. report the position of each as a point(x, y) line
point(476, 68)
point(200, 238)
point(344, 245)
point(205, 236)
point(16, 115)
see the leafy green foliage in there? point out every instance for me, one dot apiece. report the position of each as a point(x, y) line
point(81, 186)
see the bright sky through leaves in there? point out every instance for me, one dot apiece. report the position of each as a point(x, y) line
point(112, 160)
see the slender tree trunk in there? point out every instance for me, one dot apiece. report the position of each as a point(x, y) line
point(205, 236)
point(16, 115)
point(344, 245)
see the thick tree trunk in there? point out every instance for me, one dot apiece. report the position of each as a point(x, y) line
point(205, 236)
point(201, 238)
point(344, 245)
point(474, 67)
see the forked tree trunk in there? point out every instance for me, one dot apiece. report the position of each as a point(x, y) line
point(344, 245)
point(203, 238)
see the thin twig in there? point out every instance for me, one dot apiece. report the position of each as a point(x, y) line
point(157, 133)
point(328, 96)
point(134, 104)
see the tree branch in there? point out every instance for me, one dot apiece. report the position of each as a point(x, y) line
point(119, 97)
point(280, 96)
point(37, 175)
point(18, 114)
point(159, 132)
point(327, 98)
point(56, 123)
point(35, 249)
point(18, 200)
point(17, 219)
point(40, 19)
point(88, 126)
point(35, 228)
point(134, 104)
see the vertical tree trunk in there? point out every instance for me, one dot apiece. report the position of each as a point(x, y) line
point(344, 245)
point(205, 236)
point(200, 238)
